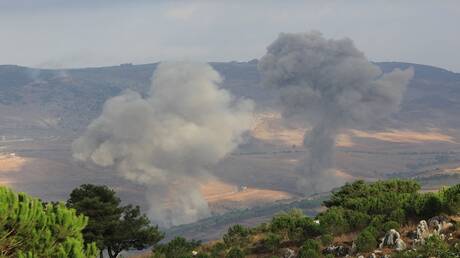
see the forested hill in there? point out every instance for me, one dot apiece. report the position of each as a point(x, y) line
point(382, 219)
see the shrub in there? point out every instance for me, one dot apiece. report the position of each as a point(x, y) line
point(390, 225)
point(398, 215)
point(273, 241)
point(377, 222)
point(308, 253)
point(451, 199)
point(236, 236)
point(29, 228)
point(326, 239)
point(366, 240)
point(334, 220)
point(218, 250)
point(179, 247)
point(235, 252)
point(357, 220)
point(287, 224)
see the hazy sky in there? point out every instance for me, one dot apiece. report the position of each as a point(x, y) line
point(76, 33)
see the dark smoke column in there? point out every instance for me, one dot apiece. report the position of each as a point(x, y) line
point(330, 85)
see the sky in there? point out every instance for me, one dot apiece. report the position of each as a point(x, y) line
point(82, 33)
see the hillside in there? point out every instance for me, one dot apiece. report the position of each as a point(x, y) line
point(42, 111)
point(382, 219)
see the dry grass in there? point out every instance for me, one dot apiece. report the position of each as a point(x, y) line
point(405, 136)
point(217, 191)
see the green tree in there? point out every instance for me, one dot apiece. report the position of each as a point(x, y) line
point(111, 226)
point(133, 230)
point(29, 228)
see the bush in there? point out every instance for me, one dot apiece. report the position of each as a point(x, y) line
point(310, 249)
point(235, 252)
point(451, 199)
point(334, 220)
point(357, 220)
point(308, 253)
point(29, 228)
point(287, 224)
point(236, 236)
point(179, 247)
point(218, 250)
point(377, 222)
point(434, 247)
point(366, 240)
point(326, 239)
point(398, 215)
point(390, 225)
point(273, 241)
point(311, 244)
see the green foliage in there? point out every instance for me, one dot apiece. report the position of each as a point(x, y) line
point(311, 244)
point(295, 226)
point(28, 228)
point(236, 236)
point(310, 249)
point(235, 252)
point(398, 215)
point(111, 226)
point(218, 250)
point(326, 239)
point(434, 247)
point(179, 247)
point(451, 199)
point(334, 220)
point(390, 225)
point(425, 205)
point(356, 220)
point(133, 231)
point(273, 241)
point(366, 240)
point(349, 193)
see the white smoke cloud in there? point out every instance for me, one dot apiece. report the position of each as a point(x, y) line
point(332, 85)
point(169, 139)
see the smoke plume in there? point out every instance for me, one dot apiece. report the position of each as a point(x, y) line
point(331, 85)
point(169, 139)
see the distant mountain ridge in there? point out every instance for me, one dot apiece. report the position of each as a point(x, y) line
point(67, 100)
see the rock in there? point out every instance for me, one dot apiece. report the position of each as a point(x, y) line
point(372, 255)
point(400, 245)
point(353, 249)
point(287, 253)
point(437, 227)
point(337, 250)
point(361, 256)
point(390, 238)
point(422, 233)
point(440, 219)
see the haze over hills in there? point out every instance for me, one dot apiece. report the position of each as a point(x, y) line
point(66, 100)
point(43, 111)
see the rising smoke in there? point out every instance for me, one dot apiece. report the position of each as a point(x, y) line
point(168, 140)
point(331, 85)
